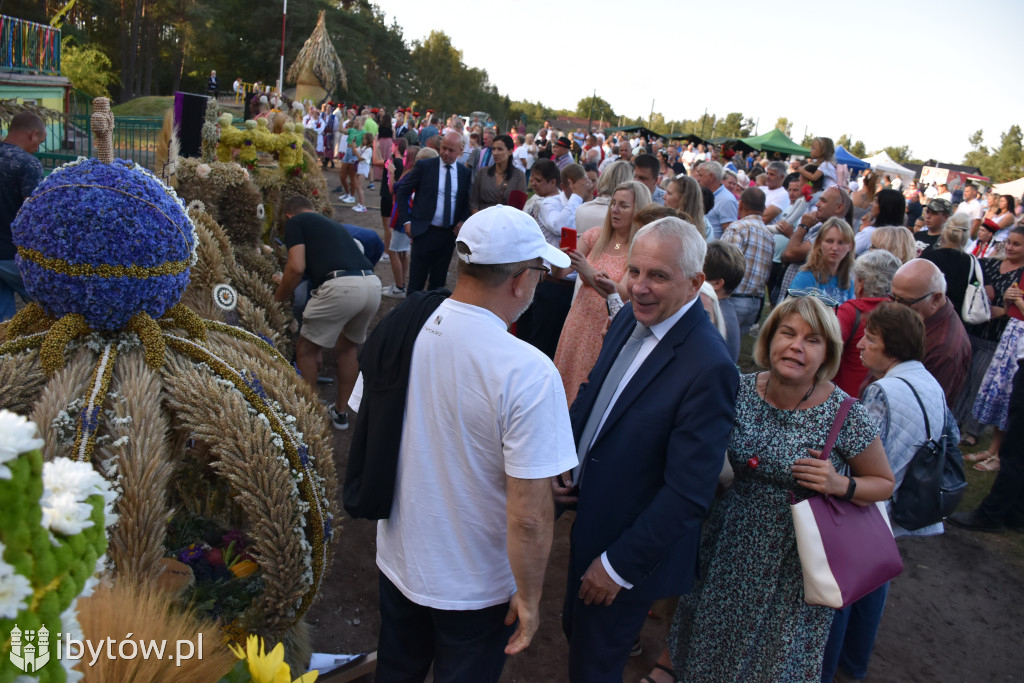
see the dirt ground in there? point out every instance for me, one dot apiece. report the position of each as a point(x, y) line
point(953, 615)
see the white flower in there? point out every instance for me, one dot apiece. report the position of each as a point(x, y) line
point(203, 170)
point(15, 590)
point(17, 435)
point(63, 475)
point(64, 514)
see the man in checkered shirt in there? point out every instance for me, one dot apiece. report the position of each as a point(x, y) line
point(757, 244)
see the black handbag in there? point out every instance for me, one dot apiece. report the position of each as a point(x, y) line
point(934, 481)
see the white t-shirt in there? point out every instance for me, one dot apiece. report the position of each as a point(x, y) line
point(481, 405)
point(522, 153)
point(972, 208)
point(365, 157)
point(778, 197)
point(828, 172)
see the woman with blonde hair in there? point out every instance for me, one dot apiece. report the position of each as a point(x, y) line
point(895, 239)
point(948, 254)
point(593, 213)
point(829, 268)
point(683, 194)
point(601, 253)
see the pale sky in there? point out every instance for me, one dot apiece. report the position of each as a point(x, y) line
point(888, 72)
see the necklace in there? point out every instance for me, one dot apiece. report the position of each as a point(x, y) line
point(753, 461)
point(618, 246)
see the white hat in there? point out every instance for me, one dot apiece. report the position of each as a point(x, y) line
point(502, 234)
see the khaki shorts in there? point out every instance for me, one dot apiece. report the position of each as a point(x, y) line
point(343, 305)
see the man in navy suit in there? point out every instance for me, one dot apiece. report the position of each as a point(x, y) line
point(440, 206)
point(652, 426)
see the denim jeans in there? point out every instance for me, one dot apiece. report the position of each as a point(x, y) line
point(852, 637)
point(10, 282)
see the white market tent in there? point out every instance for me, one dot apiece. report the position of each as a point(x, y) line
point(1013, 188)
point(883, 163)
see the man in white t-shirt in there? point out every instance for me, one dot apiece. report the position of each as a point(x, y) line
point(971, 206)
point(776, 197)
point(463, 553)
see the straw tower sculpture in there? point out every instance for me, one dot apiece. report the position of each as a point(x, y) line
point(317, 69)
point(184, 415)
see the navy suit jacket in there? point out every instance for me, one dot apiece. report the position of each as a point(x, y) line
point(423, 179)
point(651, 473)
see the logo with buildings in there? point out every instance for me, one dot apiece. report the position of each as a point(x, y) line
point(30, 650)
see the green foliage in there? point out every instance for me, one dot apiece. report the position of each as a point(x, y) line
point(785, 125)
point(856, 148)
point(1003, 164)
point(88, 69)
point(900, 155)
point(596, 107)
point(444, 83)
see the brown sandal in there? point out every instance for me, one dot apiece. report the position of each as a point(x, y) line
point(989, 465)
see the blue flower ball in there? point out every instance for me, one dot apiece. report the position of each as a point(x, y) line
point(106, 241)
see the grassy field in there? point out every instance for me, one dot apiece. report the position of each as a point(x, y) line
point(144, 106)
point(156, 106)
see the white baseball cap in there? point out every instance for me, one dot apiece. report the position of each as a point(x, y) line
point(503, 234)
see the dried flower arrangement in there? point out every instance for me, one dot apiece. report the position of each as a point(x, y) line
point(186, 415)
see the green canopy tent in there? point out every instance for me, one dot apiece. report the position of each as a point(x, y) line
point(688, 137)
point(646, 132)
point(775, 141)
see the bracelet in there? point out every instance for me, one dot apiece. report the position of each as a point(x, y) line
point(851, 490)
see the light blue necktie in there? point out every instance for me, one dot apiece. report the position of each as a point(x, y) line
point(608, 389)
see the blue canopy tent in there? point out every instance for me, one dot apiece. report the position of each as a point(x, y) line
point(852, 162)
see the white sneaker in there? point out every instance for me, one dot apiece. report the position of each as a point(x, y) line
point(393, 292)
point(347, 199)
point(385, 257)
point(359, 208)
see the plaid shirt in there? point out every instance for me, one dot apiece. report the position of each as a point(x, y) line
point(757, 245)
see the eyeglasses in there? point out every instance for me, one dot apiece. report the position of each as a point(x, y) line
point(907, 302)
point(544, 270)
point(814, 294)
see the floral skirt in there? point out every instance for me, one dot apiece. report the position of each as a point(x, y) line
point(993, 402)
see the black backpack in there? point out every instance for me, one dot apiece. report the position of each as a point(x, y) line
point(934, 481)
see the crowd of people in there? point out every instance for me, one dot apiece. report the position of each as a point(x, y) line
point(628, 271)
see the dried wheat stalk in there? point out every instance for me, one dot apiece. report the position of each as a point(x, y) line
point(21, 381)
point(145, 465)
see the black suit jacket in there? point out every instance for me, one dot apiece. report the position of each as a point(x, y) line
point(651, 473)
point(423, 180)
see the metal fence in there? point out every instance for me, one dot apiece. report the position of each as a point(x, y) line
point(26, 46)
point(135, 137)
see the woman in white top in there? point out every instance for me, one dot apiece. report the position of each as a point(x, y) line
point(823, 155)
point(365, 155)
point(525, 153)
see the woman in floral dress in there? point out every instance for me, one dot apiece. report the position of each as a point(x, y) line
point(746, 619)
point(602, 252)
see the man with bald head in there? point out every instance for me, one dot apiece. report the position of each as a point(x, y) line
point(834, 202)
point(441, 204)
point(921, 285)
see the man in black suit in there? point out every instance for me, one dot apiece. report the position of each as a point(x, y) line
point(652, 426)
point(440, 206)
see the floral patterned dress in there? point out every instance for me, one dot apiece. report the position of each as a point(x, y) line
point(583, 332)
point(746, 619)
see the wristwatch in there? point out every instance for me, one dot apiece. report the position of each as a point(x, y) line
point(851, 490)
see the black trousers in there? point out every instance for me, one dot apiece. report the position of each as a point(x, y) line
point(1005, 502)
point(600, 638)
point(428, 262)
point(463, 646)
point(541, 324)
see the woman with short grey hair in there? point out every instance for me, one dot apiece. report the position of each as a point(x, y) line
point(872, 273)
point(948, 254)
